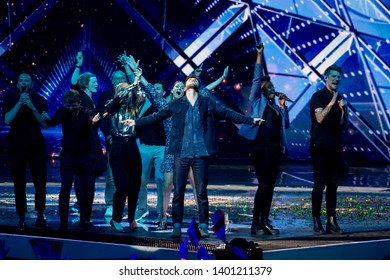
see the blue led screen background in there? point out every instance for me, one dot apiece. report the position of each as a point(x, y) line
point(173, 37)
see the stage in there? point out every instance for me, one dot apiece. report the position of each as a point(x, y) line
point(363, 212)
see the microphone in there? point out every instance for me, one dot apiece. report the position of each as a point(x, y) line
point(283, 96)
point(23, 89)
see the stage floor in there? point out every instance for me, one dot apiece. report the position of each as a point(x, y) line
point(363, 209)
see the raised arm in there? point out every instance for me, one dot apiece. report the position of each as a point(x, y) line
point(76, 72)
point(257, 75)
point(124, 59)
point(219, 80)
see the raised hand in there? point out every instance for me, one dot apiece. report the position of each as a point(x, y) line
point(260, 47)
point(225, 72)
point(138, 74)
point(122, 58)
point(132, 63)
point(198, 70)
point(79, 59)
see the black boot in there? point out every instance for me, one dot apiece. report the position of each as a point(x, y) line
point(41, 221)
point(63, 228)
point(255, 225)
point(332, 226)
point(265, 227)
point(270, 228)
point(22, 223)
point(317, 225)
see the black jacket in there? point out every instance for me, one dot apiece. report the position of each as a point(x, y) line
point(178, 110)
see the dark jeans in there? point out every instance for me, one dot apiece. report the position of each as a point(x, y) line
point(266, 161)
point(326, 173)
point(180, 177)
point(82, 172)
point(36, 159)
point(126, 165)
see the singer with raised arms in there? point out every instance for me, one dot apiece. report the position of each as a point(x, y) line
point(191, 146)
point(328, 113)
point(267, 143)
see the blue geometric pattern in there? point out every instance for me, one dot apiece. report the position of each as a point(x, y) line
point(171, 38)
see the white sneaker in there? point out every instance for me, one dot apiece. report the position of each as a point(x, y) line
point(108, 211)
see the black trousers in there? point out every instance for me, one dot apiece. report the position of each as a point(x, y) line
point(266, 161)
point(126, 165)
point(36, 159)
point(326, 168)
point(82, 172)
point(180, 176)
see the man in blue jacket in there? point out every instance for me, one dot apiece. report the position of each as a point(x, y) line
point(191, 144)
point(267, 143)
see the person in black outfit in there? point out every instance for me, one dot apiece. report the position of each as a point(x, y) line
point(86, 84)
point(266, 143)
point(77, 159)
point(328, 112)
point(151, 144)
point(26, 145)
point(125, 158)
point(191, 145)
point(105, 96)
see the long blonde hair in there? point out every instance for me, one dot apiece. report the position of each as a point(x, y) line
point(130, 97)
